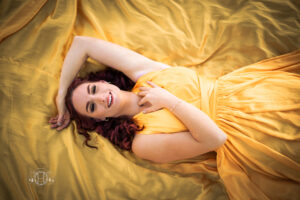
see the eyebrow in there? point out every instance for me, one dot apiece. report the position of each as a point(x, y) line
point(88, 103)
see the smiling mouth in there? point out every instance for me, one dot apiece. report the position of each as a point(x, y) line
point(110, 100)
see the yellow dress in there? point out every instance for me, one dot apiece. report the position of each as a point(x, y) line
point(258, 107)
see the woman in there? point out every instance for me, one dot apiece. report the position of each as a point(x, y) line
point(111, 102)
point(178, 114)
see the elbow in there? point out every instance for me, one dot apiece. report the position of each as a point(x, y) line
point(81, 44)
point(222, 137)
point(79, 38)
point(80, 41)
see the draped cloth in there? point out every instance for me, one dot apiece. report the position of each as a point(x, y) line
point(208, 89)
point(211, 37)
point(258, 107)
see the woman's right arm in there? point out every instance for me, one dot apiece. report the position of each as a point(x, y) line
point(120, 58)
point(75, 57)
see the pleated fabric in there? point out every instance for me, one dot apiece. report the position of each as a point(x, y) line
point(258, 107)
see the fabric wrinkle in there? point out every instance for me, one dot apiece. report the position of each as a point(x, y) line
point(208, 87)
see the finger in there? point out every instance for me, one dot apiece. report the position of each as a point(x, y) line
point(144, 88)
point(151, 109)
point(53, 122)
point(56, 117)
point(53, 119)
point(60, 120)
point(66, 123)
point(143, 93)
point(60, 128)
point(148, 110)
point(54, 126)
point(152, 84)
point(142, 101)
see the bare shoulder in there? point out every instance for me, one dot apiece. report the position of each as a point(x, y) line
point(162, 148)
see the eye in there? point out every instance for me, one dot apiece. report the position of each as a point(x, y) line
point(94, 89)
point(92, 108)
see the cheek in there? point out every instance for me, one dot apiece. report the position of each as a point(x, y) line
point(100, 112)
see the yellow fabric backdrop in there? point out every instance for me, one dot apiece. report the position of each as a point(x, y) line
point(210, 36)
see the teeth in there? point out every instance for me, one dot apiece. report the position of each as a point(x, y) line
point(109, 102)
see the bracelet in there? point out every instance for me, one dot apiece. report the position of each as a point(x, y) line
point(175, 105)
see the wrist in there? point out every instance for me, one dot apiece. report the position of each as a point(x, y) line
point(62, 92)
point(60, 97)
point(173, 104)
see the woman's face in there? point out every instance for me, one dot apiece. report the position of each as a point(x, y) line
point(97, 100)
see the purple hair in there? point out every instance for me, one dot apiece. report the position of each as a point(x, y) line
point(120, 131)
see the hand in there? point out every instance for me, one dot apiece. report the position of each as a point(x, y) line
point(156, 96)
point(62, 120)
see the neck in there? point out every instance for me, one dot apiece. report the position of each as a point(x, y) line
point(131, 107)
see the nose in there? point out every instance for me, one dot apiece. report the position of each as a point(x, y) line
point(99, 98)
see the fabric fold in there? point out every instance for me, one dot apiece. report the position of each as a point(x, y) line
point(208, 102)
point(17, 14)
